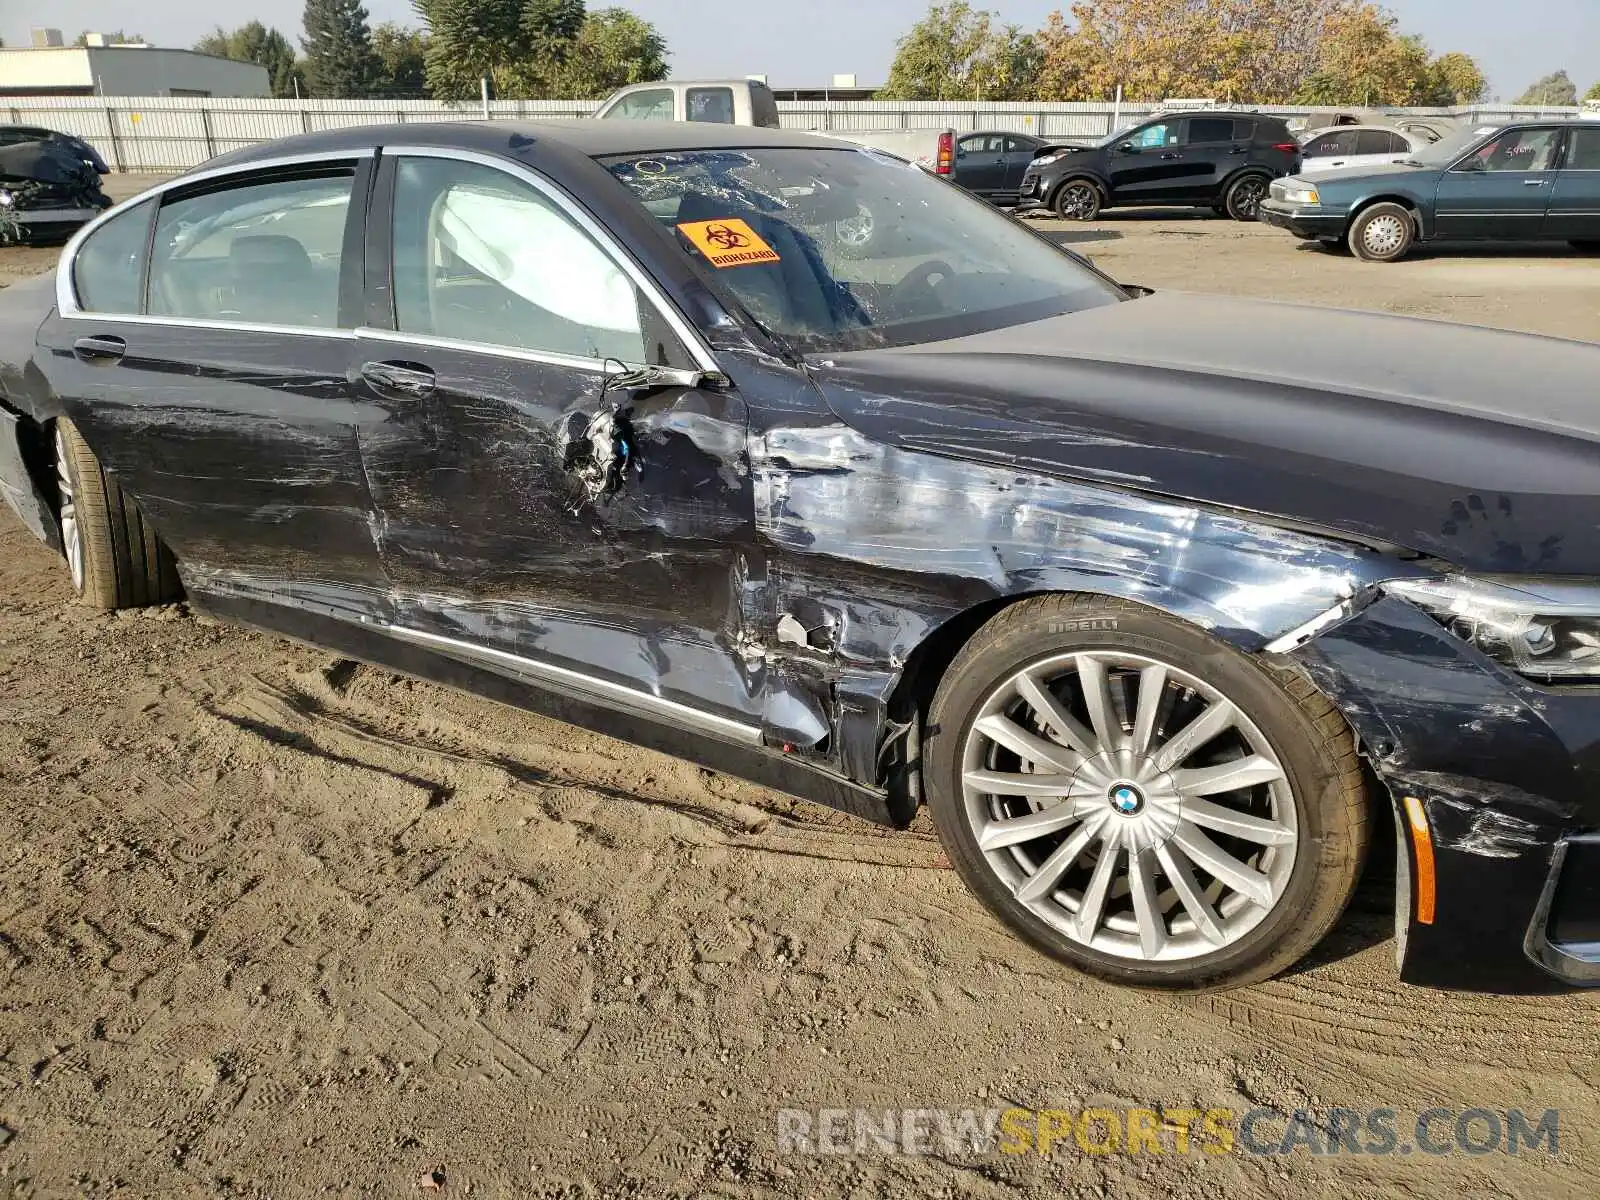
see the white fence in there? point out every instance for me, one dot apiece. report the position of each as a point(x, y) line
point(175, 133)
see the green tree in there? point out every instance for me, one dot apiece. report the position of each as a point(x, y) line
point(338, 46)
point(1593, 93)
point(471, 39)
point(613, 49)
point(402, 54)
point(255, 43)
point(1456, 78)
point(1556, 88)
point(958, 52)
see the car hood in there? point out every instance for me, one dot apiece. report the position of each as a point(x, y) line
point(1383, 174)
point(1477, 446)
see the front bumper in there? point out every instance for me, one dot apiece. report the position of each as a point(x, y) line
point(53, 220)
point(1506, 775)
point(1303, 222)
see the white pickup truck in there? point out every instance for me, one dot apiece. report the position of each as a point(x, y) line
point(751, 102)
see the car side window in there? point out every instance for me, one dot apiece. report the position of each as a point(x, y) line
point(1210, 129)
point(652, 105)
point(264, 252)
point(1015, 145)
point(1244, 131)
point(712, 106)
point(105, 273)
point(480, 256)
point(1331, 145)
point(1153, 137)
point(970, 145)
point(1585, 152)
point(1519, 150)
point(1379, 141)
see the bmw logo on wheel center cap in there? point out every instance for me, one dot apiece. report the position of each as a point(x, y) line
point(1126, 799)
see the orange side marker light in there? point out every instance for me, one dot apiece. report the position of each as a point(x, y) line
point(1422, 840)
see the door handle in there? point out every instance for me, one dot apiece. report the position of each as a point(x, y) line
point(1533, 183)
point(1340, 163)
point(399, 380)
point(100, 348)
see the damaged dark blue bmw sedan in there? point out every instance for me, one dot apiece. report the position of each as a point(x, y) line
point(1161, 603)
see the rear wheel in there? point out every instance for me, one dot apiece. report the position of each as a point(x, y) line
point(1140, 800)
point(1383, 233)
point(1245, 195)
point(1078, 200)
point(115, 558)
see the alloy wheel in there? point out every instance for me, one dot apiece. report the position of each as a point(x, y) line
point(1247, 198)
point(71, 535)
point(1129, 805)
point(1077, 202)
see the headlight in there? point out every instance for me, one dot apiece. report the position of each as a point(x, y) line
point(1044, 160)
point(1543, 628)
point(5, 198)
point(1299, 193)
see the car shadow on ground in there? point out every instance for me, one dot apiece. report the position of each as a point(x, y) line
point(1470, 251)
point(1078, 237)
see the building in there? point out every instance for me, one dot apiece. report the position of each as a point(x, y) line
point(133, 69)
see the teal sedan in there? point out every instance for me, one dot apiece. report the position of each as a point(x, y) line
point(1538, 181)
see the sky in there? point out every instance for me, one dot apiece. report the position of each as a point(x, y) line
point(806, 42)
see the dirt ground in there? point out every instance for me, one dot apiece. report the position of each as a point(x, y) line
point(272, 924)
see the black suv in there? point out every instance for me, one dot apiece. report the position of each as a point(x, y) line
point(1222, 160)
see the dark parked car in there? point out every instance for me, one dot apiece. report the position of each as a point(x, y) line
point(1161, 604)
point(11, 135)
point(47, 190)
point(991, 165)
point(1530, 182)
point(1219, 160)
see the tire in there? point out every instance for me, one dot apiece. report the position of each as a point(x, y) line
point(1077, 200)
point(1383, 233)
point(1306, 825)
point(116, 559)
point(1245, 194)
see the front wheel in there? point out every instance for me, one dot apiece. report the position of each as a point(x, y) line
point(1383, 233)
point(1244, 197)
point(114, 555)
point(1078, 200)
point(1141, 800)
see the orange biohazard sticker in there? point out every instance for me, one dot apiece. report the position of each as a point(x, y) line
point(728, 243)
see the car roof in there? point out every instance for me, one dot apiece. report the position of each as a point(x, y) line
point(587, 136)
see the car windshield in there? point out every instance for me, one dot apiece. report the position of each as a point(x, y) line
point(1445, 151)
point(845, 249)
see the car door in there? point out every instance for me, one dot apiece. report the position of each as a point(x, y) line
point(1501, 190)
point(1328, 151)
point(1213, 149)
point(218, 393)
point(1376, 147)
point(1574, 213)
point(1147, 165)
point(981, 164)
point(536, 514)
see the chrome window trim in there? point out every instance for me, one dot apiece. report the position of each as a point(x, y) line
point(66, 294)
point(596, 366)
point(598, 688)
point(323, 331)
point(609, 246)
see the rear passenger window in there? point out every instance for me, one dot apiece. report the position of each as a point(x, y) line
point(1329, 145)
point(105, 274)
point(482, 257)
point(1585, 153)
point(262, 253)
point(1210, 129)
point(1378, 141)
point(711, 105)
point(1244, 131)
